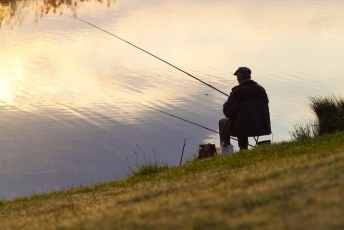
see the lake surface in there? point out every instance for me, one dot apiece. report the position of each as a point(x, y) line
point(65, 120)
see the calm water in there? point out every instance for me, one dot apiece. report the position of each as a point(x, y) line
point(64, 121)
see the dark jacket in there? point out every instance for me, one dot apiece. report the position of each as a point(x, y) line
point(247, 108)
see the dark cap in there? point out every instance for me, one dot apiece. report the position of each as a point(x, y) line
point(244, 71)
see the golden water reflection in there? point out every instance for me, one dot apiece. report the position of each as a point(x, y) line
point(279, 45)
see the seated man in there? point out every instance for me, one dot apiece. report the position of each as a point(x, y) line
point(246, 110)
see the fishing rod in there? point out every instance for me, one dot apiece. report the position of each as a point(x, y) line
point(180, 118)
point(148, 53)
point(167, 64)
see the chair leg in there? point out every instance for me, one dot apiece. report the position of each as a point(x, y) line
point(256, 140)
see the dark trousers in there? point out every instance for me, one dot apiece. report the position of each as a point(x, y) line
point(242, 141)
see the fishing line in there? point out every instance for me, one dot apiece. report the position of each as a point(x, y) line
point(190, 75)
point(148, 53)
point(181, 119)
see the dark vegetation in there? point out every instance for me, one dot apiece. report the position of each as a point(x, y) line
point(12, 12)
point(329, 111)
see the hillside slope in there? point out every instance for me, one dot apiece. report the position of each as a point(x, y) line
point(290, 185)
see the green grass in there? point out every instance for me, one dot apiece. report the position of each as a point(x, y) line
point(149, 168)
point(288, 185)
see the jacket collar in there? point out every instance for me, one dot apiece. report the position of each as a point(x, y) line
point(247, 82)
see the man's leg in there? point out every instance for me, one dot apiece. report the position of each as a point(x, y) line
point(243, 143)
point(224, 137)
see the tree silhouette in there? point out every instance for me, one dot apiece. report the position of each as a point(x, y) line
point(12, 12)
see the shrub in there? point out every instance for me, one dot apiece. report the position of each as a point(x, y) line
point(330, 113)
point(302, 132)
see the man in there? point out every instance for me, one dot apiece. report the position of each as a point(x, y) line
point(246, 110)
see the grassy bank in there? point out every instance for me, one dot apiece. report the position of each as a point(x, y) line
point(291, 185)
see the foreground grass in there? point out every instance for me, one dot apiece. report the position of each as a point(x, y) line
point(295, 185)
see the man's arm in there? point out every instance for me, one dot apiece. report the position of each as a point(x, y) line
point(231, 107)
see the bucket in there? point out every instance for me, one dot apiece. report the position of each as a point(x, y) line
point(227, 149)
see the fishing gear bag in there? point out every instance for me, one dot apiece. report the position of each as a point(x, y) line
point(206, 150)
